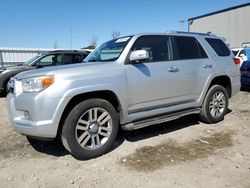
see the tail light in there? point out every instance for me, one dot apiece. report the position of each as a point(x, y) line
point(236, 61)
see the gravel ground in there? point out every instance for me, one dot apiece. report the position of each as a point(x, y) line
point(181, 153)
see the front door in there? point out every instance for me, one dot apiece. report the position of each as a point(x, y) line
point(150, 84)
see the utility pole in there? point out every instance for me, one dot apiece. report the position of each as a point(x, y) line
point(71, 37)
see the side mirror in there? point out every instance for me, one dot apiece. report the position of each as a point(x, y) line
point(39, 66)
point(139, 55)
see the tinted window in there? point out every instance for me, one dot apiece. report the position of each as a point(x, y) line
point(72, 58)
point(159, 47)
point(77, 58)
point(188, 48)
point(219, 47)
point(85, 55)
point(242, 53)
point(235, 52)
point(50, 60)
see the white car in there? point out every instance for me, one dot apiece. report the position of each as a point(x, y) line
point(240, 53)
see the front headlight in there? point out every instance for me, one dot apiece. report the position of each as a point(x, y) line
point(36, 84)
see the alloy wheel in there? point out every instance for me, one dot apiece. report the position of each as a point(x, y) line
point(217, 104)
point(93, 128)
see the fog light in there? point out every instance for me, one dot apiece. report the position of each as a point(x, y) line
point(23, 114)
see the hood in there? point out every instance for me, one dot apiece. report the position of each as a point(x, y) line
point(55, 69)
point(15, 68)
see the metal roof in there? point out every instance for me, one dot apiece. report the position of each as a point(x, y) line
point(220, 11)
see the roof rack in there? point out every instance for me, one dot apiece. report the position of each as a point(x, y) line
point(196, 33)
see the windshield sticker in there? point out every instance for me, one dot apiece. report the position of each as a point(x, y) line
point(122, 39)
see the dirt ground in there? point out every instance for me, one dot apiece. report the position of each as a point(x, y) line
point(181, 153)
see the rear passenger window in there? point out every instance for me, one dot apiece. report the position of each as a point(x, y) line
point(159, 47)
point(188, 48)
point(219, 47)
point(67, 59)
point(72, 58)
point(77, 58)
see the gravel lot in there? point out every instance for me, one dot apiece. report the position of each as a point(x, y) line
point(181, 153)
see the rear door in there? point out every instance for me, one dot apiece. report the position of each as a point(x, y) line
point(194, 68)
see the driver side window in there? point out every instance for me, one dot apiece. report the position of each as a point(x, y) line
point(158, 47)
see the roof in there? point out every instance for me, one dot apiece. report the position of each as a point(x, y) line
point(68, 51)
point(16, 49)
point(220, 11)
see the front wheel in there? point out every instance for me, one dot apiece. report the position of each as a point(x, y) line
point(215, 105)
point(90, 129)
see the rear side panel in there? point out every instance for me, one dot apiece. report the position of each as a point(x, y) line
point(224, 63)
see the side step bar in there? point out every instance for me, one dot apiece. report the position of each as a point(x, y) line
point(158, 120)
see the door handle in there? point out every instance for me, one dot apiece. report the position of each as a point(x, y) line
point(173, 69)
point(208, 66)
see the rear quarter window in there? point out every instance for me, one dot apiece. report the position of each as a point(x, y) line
point(219, 46)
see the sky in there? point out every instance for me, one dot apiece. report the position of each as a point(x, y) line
point(42, 23)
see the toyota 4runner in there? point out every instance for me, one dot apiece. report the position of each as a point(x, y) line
point(129, 83)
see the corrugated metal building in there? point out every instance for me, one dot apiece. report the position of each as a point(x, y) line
point(232, 23)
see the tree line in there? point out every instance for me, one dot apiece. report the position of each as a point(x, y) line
point(92, 43)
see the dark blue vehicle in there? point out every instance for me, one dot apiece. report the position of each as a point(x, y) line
point(245, 74)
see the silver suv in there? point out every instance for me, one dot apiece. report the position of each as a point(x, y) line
point(129, 83)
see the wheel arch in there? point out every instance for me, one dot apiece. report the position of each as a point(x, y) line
point(224, 81)
point(108, 95)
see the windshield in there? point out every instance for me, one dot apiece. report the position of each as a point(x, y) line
point(247, 50)
point(108, 51)
point(32, 60)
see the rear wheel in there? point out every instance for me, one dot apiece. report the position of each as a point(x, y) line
point(90, 129)
point(215, 105)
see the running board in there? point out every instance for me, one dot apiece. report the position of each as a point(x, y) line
point(158, 120)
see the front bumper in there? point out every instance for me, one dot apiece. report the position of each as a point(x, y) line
point(43, 120)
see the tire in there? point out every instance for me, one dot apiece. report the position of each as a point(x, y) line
point(32, 140)
point(90, 129)
point(215, 105)
point(39, 144)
